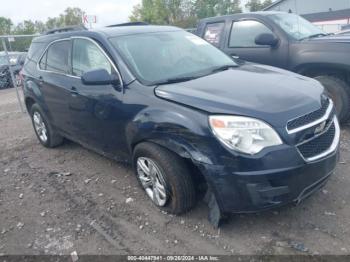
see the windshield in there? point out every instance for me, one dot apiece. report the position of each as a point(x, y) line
point(158, 57)
point(296, 26)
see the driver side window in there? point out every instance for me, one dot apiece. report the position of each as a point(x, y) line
point(243, 33)
point(87, 56)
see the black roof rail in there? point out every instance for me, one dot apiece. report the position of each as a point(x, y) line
point(65, 29)
point(129, 24)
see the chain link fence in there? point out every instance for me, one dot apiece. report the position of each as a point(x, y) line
point(13, 51)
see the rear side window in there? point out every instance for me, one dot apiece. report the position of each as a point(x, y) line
point(35, 51)
point(42, 63)
point(87, 56)
point(243, 33)
point(57, 57)
point(213, 33)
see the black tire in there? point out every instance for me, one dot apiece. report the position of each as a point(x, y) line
point(338, 90)
point(178, 180)
point(53, 138)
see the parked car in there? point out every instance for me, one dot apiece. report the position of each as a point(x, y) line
point(16, 62)
point(187, 117)
point(287, 41)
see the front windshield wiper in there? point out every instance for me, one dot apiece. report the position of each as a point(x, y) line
point(176, 80)
point(315, 35)
point(223, 68)
point(188, 78)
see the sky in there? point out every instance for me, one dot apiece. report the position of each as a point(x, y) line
point(107, 11)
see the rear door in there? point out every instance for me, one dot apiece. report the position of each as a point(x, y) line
point(54, 67)
point(241, 43)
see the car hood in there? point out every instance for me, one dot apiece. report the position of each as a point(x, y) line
point(273, 95)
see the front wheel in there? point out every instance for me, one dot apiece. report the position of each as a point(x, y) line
point(337, 90)
point(165, 178)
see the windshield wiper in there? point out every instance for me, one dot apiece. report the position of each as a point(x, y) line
point(176, 80)
point(315, 35)
point(223, 68)
point(188, 78)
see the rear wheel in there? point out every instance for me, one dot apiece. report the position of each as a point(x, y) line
point(43, 130)
point(165, 178)
point(337, 89)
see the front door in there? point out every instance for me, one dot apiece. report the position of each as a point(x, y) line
point(95, 111)
point(241, 43)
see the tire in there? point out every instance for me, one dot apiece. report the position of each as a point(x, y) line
point(52, 138)
point(178, 183)
point(338, 90)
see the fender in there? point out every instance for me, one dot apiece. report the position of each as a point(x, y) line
point(32, 91)
point(310, 68)
point(312, 53)
point(163, 128)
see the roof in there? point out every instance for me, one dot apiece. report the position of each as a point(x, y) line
point(328, 16)
point(273, 4)
point(131, 30)
point(108, 32)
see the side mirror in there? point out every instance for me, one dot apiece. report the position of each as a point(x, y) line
point(266, 39)
point(99, 77)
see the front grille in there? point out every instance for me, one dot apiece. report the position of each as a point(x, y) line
point(309, 118)
point(318, 145)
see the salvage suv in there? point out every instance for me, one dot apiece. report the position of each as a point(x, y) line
point(287, 41)
point(190, 120)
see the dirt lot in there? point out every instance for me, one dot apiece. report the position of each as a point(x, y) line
point(45, 210)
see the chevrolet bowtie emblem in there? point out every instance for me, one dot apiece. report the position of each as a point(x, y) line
point(320, 128)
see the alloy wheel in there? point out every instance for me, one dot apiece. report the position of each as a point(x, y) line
point(152, 180)
point(40, 127)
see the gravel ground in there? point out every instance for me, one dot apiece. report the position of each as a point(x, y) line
point(57, 201)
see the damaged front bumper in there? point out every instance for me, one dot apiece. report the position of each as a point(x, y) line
point(253, 191)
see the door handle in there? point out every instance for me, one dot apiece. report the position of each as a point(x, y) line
point(234, 56)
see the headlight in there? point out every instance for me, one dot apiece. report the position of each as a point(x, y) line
point(244, 134)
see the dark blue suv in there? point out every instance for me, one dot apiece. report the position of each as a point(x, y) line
point(189, 118)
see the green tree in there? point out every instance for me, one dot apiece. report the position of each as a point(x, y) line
point(71, 16)
point(39, 27)
point(257, 5)
point(151, 11)
point(27, 27)
point(205, 8)
point(5, 29)
point(183, 13)
point(226, 7)
point(5, 25)
point(266, 3)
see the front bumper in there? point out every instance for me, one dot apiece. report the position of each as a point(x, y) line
point(245, 192)
point(278, 175)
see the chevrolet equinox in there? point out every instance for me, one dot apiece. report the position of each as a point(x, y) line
point(190, 119)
